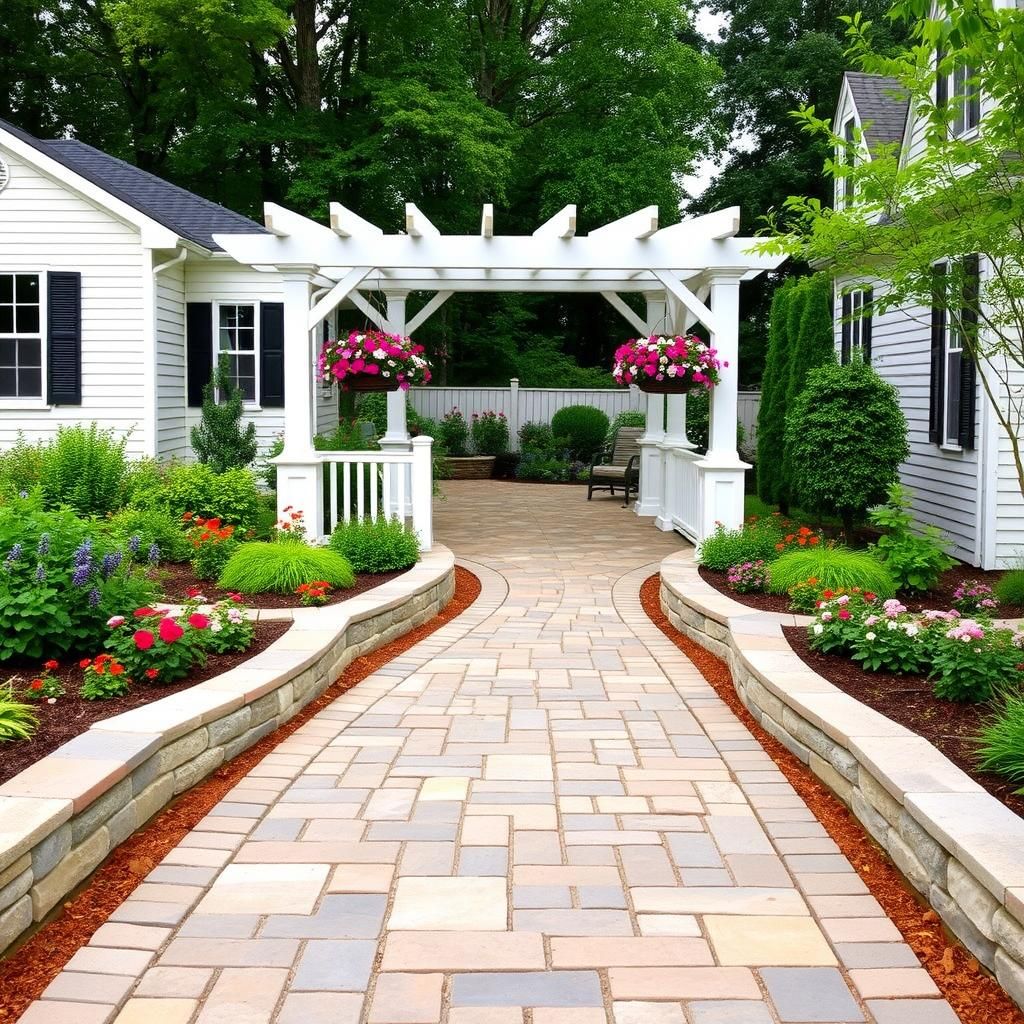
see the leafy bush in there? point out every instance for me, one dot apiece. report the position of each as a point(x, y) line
point(159, 647)
point(104, 678)
point(347, 436)
point(698, 420)
point(381, 545)
point(454, 433)
point(839, 620)
point(505, 466)
point(20, 466)
point(17, 720)
point(847, 437)
point(972, 597)
point(916, 559)
point(1010, 587)
point(893, 642)
point(231, 630)
point(835, 568)
point(219, 439)
point(490, 433)
point(584, 429)
point(373, 408)
point(626, 418)
point(83, 467)
point(973, 661)
point(232, 497)
point(537, 439)
point(261, 567)
point(1001, 747)
point(754, 541)
point(150, 526)
point(61, 578)
point(748, 577)
point(212, 545)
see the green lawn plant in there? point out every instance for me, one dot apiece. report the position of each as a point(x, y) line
point(973, 661)
point(17, 720)
point(260, 567)
point(916, 558)
point(381, 545)
point(151, 526)
point(834, 567)
point(232, 496)
point(754, 541)
point(83, 467)
point(1010, 587)
point(1001, 744)
point(584, 429)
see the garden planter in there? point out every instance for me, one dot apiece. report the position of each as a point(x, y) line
point(470, 467)
point(669, 386)
point(369, 382)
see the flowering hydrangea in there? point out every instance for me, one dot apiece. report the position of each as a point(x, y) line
point(683, 358)
point(748, 577)
point(373, 354)
point(967, 630)
point(972, 596)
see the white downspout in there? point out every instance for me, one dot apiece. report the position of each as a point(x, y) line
point(150, 390)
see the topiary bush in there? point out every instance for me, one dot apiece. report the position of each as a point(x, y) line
point(846, 436)
point(265, 567)
point(220, 439)
point(83, 467)
point(584, 429)
point(384, 545)
point(771, 415)
point(151, 526)
point(232, 497)
point(835, 568)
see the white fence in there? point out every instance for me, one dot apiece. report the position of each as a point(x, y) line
point(538, 405)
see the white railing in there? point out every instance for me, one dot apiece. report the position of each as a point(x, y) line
point(371, 485)
point(683, 497)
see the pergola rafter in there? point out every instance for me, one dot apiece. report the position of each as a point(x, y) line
point(688, 272)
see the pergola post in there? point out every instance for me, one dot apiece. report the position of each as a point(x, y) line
point(298, 472)
point(650, 497)
point(396, 437)
point(723, 472)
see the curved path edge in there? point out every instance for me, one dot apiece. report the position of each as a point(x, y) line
point(960, 848)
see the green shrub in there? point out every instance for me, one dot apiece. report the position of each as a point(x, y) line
point(537, 466)
point(453, 432)
point(208, 560)
point(537, 439)
point(150, 526)
point(584, 429)
point(232, 497)
point(20, 466)
point(376, 546)
point(347, 436)
point(1001, 744)
point(1010, 587)
point(754, 541)
point(490, 433)
point(220, 440)
point(971, 662)
point(771, 414)
point(626, 418)
point(140, 475)
point(260, 567)
point(83, 467)
point(916, 559)
point(835, 568)
point(847, 436)
point(17, 720)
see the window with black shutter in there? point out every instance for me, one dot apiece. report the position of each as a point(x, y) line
point(969, 315)
point(21, 339)
point(64, 337)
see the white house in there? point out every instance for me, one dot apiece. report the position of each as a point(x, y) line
point(960, 467)
point(115, 302)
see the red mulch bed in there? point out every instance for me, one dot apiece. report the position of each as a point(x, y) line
point(26, 971)
point(178, 577)
point(940, 596)
point(951, 728)
point(975, 997)
point(72, 715)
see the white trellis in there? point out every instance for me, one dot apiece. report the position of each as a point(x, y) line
point(688, 272)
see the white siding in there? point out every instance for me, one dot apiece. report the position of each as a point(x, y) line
point(944, 484)
point(1008, 543)
point(46, 226)
point(172, 435)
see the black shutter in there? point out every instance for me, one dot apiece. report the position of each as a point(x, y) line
point(968, 359)
point(199, 342)
point(64, 337)
point(936, 401)
point(941, 80)
point(847, 327)
point(272, 355)
point(867, 307)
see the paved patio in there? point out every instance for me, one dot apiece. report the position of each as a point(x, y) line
point(540, 815)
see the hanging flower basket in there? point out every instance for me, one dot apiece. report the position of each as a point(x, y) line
point(667, 365)
point(373, 361)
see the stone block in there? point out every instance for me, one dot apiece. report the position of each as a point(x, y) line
point(765, 700)
point(12, 871)
point(269, 705)
point(177, 753)
point(249, 737)
point(962, 927)
point(931, 854)
point(843, 761)
point(48, 854)
point(972, 897)
point(78, 864)
point(84, 824)
point(879, 798)
point(16, 888)
point(122, 824)
point(230, 726)
point(1010, 976)
point(191, 772)
point(839, 785)
point(1009, 934)
point(153, 798)
point(876, 825)
point(905, 858)
point(794, 746)
point(14, 920)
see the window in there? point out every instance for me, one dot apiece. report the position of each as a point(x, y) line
point(959, 91)
point(954, 371)
point(849, 156)
point(856, 336)
point(21, 338)
point(237, 339)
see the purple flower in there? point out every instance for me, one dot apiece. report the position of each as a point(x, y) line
point(44, 544)
point(83, 553)
point(13, 555)
point(134, 544)
point(110, 564)
point(94, 597)
point(81, 575)
point(154, 553)
point(40, 573)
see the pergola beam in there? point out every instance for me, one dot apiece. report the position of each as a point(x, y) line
point(561, 225)
point(435, 303)
point(683, 294)
point(487, 221)
point(346, 224)
point(418, 224)
point(345, 288)
point(625, 310)
point(368, 310)
point(641, 224)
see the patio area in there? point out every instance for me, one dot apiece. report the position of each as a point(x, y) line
point(542, 814)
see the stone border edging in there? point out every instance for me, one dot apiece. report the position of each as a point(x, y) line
point(61, 816)
point(957, 845)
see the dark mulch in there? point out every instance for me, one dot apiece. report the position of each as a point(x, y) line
point(941, 596)
point(178, 577)
point(952, 728)
point(72, 715)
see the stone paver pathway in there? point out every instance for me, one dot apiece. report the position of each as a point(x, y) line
point(540, 815)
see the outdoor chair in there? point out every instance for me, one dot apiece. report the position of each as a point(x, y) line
point(618, 465)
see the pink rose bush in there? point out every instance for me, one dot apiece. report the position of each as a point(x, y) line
point(679, 358)
point(373, 353)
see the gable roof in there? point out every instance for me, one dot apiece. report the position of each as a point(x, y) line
point(189, 216)
point(882, 104)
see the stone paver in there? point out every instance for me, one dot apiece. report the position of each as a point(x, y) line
point(542, 812)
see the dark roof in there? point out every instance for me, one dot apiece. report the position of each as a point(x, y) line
point(882, 104)
point(188, 215)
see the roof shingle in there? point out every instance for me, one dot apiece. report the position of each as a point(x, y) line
point(882, 104)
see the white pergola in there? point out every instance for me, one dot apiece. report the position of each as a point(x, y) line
point(687, 273)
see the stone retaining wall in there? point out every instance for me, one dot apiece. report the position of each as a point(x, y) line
point(61, 817)
point(959, 847)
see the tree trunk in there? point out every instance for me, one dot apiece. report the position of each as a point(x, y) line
point(307, 58)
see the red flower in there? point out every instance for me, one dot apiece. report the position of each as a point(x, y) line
point(193, 592)
point(814, 540)
point(144, 639)
point(152, 673)
point(116, 669)
point(141, 613)
point(234, 596)
point(187, 517)
point(868, 596)
point(36, 684)
point(170, 631)
point(85, 663)
point(51, 666)
point(213, 524)
point(843, 614)
point(197, 621)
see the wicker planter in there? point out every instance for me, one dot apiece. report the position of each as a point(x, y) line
point(668, 386)
point(369, 382)
point(470, 467)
